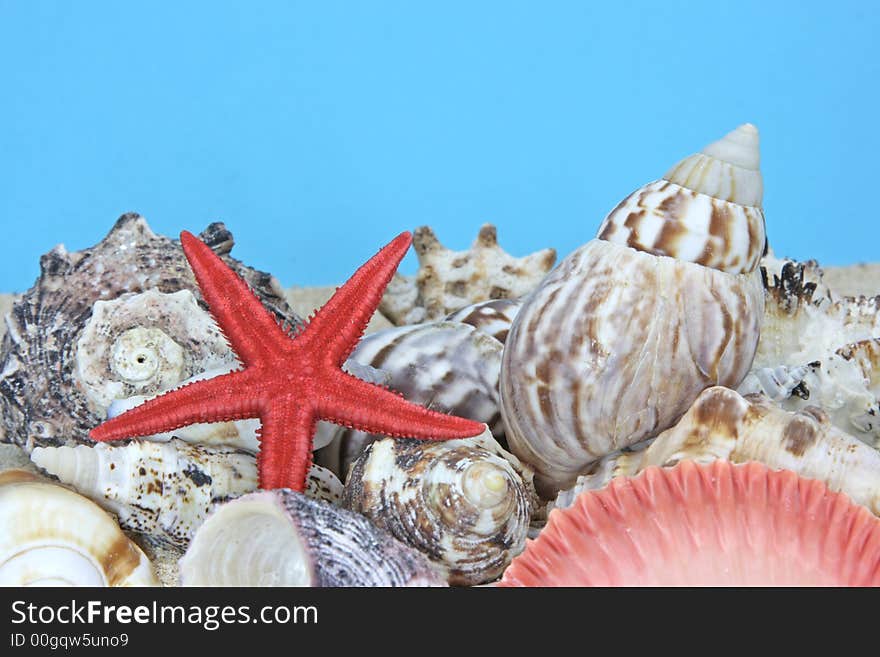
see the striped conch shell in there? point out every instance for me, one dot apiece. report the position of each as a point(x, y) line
point(724, 425)
point(282, 538)
point(449, 367)
point(459, 502)
point(616, 343)
point(50, 536)
point(165, 490)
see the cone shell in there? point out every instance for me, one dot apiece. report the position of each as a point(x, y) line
point(705, 525)
point(447, 281)
point(617, 341)
point(165, 490)
point(446, 366)
point(41, 400)
point(724, 425)
point(50, 536)
point(460, 504)
point(282, 538)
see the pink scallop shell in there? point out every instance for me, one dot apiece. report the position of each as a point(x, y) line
point(705, 525)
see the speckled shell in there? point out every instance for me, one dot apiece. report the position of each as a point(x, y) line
point(459, 503)
point(165, 490)
point(493, 317)
point(724, 425)
point(844, 384)
point(282, 538)
point(450, 280)
point(617, 341)
point(50, 536)
point(447, 366)
point(41, 403)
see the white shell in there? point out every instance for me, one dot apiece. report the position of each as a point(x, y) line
point(50, 536)
point(450, 280)
point(619, 339)
point(282, 538)
point(723, 425)
point(458, 501)
point(491, 317)
point(142, 344)
point(165, 489)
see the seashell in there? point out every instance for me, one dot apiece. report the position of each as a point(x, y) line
point(50, 536)
point(844, 385)
point(458, 502)
point(165, 490)
point(282, 538)
point(724, 425)
point(705, 525)
point(491, 317)
point(143, 344)
point(42, 401)
point(450, 280)
point(617, 341)
point(811, 276)
point(447, 366)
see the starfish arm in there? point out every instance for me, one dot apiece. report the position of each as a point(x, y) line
point(285, 445)
point(340, 323)
point(219, 399)
point(368, 407)
point(252, 331)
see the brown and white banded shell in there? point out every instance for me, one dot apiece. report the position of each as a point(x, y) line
point(450, 280)
point(462, 505)
point(282, 538)
point(724, 425)
point(617, 341)
point(491, 317)
point(165, 489)
point(50, 536)
point(42, 402)
point(446, 366)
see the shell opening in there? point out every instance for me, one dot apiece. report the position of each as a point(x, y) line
point(50, 565)
point(250, 543)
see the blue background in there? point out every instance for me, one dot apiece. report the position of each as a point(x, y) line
point(317, 131)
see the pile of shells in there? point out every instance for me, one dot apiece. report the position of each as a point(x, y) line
point(674, 336)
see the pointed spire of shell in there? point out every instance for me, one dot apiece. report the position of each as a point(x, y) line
point(706, 210)
point(728, 169)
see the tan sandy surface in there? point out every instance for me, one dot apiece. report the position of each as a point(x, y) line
point(855, 280)
point(302, 300)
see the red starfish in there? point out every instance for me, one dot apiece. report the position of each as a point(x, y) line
point(289, 382)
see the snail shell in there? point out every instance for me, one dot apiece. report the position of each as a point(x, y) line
point(50, 536)
point(724, 425)
point(491, 317)
point(462, 505)
point(45, 398)
point(282, 538)
point(447, 366)
point(617, 341)
point(165, 490)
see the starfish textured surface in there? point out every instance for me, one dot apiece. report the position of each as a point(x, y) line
point(289, 382)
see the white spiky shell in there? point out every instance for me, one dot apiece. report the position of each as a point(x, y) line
point(282, 538)
point(50, 536)
point(724, 425)
point(617, 341)
point(446, 366)
point(165, 489)
point(459, 502)
point(450, 280)
point(143, 344)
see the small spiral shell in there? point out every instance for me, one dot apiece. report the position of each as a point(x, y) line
point(282, 538)
point(50, 536)
point(460, 504)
